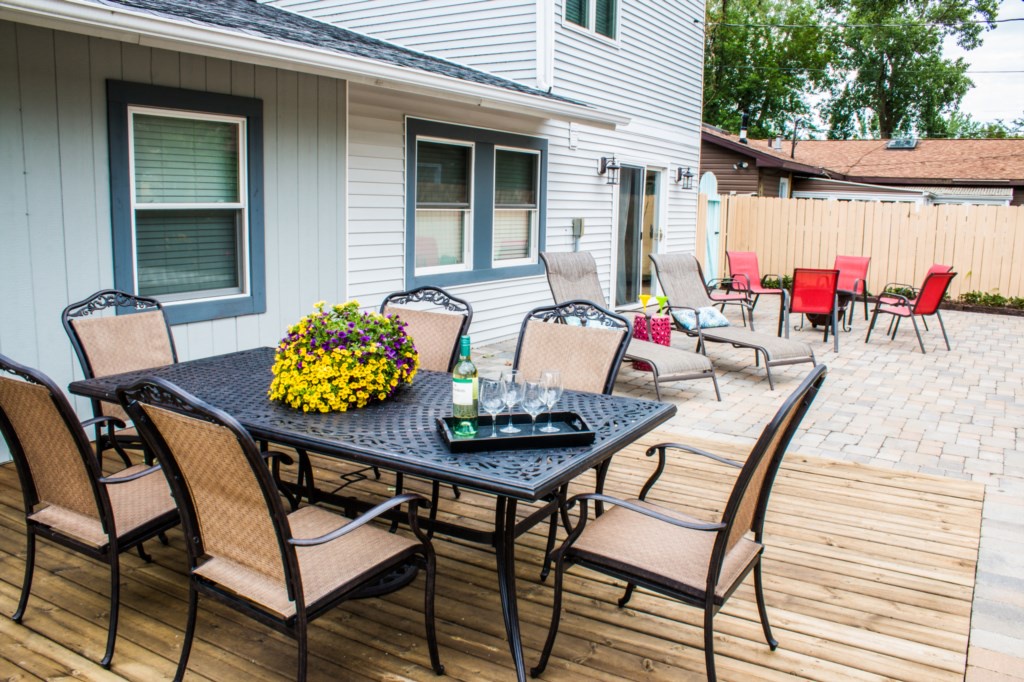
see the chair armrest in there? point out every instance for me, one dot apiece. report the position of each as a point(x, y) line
point(661, 449)
point(112, 480)
point(273, 454)
point(413, 499)
point(744, 278)
point(598, 497)
point(103, 419)
point(900, 285)
point(906, 301)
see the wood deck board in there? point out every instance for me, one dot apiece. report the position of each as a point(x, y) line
point(869, 575)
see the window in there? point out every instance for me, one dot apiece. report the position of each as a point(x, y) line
point(599, 16)
point(475, 205)
point(186, 182)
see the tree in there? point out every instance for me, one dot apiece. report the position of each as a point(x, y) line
point(761, 59)
point(891, 75)
point(962, 125)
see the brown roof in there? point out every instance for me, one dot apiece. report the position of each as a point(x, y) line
point(934, 161)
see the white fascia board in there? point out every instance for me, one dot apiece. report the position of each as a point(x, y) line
point(122, 24)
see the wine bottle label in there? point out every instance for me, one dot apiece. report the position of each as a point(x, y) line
point(464, 391)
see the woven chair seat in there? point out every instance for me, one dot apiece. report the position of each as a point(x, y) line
point(661, 553)
point(668, 359)
point(324, 568)
point(777, 348)
point(134, 504)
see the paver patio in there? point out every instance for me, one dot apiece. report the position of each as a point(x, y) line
point(958, 414)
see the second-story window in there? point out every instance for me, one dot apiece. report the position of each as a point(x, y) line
point(598, 16)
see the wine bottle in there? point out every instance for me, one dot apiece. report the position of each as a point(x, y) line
point(465, 393)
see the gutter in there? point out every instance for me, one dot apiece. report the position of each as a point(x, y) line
point(763, 159)
point(148, 30)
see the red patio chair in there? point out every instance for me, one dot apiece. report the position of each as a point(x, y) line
point(816, 292)
point(889, 299)
point(746, 275)
point(927, 302)
point(853, 283)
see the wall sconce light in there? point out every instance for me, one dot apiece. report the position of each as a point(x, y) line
point(609, 167)
point(685, 177)
point(741, 165)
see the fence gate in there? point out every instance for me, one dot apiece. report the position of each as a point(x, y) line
point(713, 224)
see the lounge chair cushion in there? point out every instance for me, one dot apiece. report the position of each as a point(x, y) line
point(710, 318)
point(776, 347)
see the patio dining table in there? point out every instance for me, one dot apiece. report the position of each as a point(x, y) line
point(401, 435)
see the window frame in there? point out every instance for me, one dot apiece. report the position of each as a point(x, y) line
point(467, 242)
point(124, 100)
point(591, 27)
point(482, 265)
point(534, 210)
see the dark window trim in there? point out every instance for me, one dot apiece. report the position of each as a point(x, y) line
point(483, 201)
point(121, 95)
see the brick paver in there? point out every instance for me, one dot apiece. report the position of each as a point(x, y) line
point(958, 414)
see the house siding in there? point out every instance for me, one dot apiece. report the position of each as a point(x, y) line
point(720, 161)
point(497, 36)
point(54, 188)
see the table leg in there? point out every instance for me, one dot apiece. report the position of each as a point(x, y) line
point(505, 551)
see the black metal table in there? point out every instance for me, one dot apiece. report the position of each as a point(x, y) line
point(401, 435)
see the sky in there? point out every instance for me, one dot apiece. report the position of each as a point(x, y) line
point(997, 95)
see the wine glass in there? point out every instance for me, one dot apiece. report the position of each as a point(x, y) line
point(492, 401)
point(551, 381)
point(511, 393)
point(533, 402)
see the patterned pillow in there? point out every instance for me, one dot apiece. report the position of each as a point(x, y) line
point(710, 317)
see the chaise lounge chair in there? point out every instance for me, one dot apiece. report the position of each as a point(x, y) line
point(573, 276)
point(683, 283)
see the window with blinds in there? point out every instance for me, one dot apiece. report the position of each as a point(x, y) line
point(188, 203)
point(594, 15)
point(515, 204)
point(443, 205)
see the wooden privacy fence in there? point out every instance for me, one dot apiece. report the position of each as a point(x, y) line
point(984, 244)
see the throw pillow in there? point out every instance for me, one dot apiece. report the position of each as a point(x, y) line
point(710, 317)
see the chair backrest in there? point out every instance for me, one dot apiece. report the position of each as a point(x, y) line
point(681, 279)
point(229, 505)
point(938, 268)
point(435, 320)
point(111, 344)
point(932, 292)
point(572, 276)
point(814, 290)
point(743, 263)
point(748, 501)
point(580, 339)
point(55, 463)
point(853, 272)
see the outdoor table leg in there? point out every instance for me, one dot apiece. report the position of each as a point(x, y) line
point(505, 552)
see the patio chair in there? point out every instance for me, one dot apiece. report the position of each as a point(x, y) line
point(815, 294)
point(683, 282)
point(573, 276)
point(67, 499)
point(746, 276)
point(111, 344)
point(436, 321)
point(889, 299)
point(853, 283)
point(663, 550)
point(244, 551)
point(926, 302)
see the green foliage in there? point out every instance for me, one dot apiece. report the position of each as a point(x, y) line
point(770, 282)
point(1016, 302)
point(992, 299)
point(902, 291)
point(753, 64)
point(962, 125)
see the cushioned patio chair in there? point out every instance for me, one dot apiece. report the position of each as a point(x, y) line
point(926, 302)
point(853, 283)
point(746, 276)
point(698, 562)
point(573, 276)
point(67, 499)
point(815, 293)
point(436, 321)
point(683, 282)
point(136, 337)
point(244, 551)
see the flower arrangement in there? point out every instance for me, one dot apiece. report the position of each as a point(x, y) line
point(339, 358)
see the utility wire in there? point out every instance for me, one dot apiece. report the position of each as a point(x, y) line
point(845, 25)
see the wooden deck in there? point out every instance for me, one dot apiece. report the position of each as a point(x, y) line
point(869, 576)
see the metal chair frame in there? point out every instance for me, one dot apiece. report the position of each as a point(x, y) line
point(913, 308)
point(833, 314)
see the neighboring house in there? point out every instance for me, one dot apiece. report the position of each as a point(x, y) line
point(642, 58)
point(920, 171)
point(317, 163)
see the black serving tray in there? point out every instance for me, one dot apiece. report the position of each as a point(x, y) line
point(572, 432)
